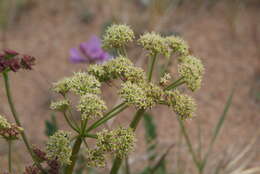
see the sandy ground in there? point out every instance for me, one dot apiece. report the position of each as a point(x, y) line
point(230, 54)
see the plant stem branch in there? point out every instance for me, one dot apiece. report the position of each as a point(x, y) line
point(175, 84)
point(75, 151)
point(9, 156)
point(119, 108)
point(70, 123)
point(187, 139)
point(15, 115)
point(151, 67)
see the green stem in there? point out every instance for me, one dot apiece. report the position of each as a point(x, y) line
point(187, 139)
point(71, 115)
point(137, 119)
point(175, 84)
point(119, 108)
point(16, 118)
point(118, 161)
point(91, 136)
point(127, 167)
point(9, 156)
point(70, 123)
point(75, 151)
point(151, 67)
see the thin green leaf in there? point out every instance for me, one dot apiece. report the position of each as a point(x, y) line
point(160, 166)
point(150, 134)
point(218, 127)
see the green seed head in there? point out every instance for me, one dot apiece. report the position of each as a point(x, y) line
point(191, 69)
point(182, 104)
point(99, 72)
point(120, 141)
point(95, 158)
point(58, 147)
point(117, 66)
point(165, 79)
point(178, 45)
point(154, 44)
point(117, 36)
point(4, 124)
point(61, 106)
point(134, 94)
point(141, 95)
point(83, 83)
point(91, 106)
point(62, 86)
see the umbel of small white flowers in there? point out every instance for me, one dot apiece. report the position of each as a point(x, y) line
point(136, 90)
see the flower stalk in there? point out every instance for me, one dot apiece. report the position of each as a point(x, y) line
point(9, 155)
point(151, 67)
point(16, 118)
point(75, 151)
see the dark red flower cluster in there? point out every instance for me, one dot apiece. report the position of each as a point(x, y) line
point(53, 166)
point(11, 133)
point(14, 61)
point(41, 155)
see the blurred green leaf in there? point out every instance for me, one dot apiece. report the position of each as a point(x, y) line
point(218, 128)
point(51, 125)
point(150, 127)
point(146, 170)
point(151, 135)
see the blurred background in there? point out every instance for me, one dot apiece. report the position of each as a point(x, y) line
point(225, 34)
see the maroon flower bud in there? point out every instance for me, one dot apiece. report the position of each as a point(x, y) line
point(1, 56)
point(13, 64)
point(54, 167)
point(39, 153)
point(9, 52)
point(27, 62)
point(11, 133)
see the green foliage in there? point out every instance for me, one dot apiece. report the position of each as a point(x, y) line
point(87, 16)
point(51, 126)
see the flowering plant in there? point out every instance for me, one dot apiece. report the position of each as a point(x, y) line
point(138, 89)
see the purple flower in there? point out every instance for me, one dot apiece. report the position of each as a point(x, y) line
point(89, 52)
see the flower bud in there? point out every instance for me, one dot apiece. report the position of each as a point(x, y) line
point(11, 133)
point(27, 62)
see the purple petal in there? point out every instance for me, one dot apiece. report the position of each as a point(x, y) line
point(105, 57)
point(92, 48)
point(76, 56)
